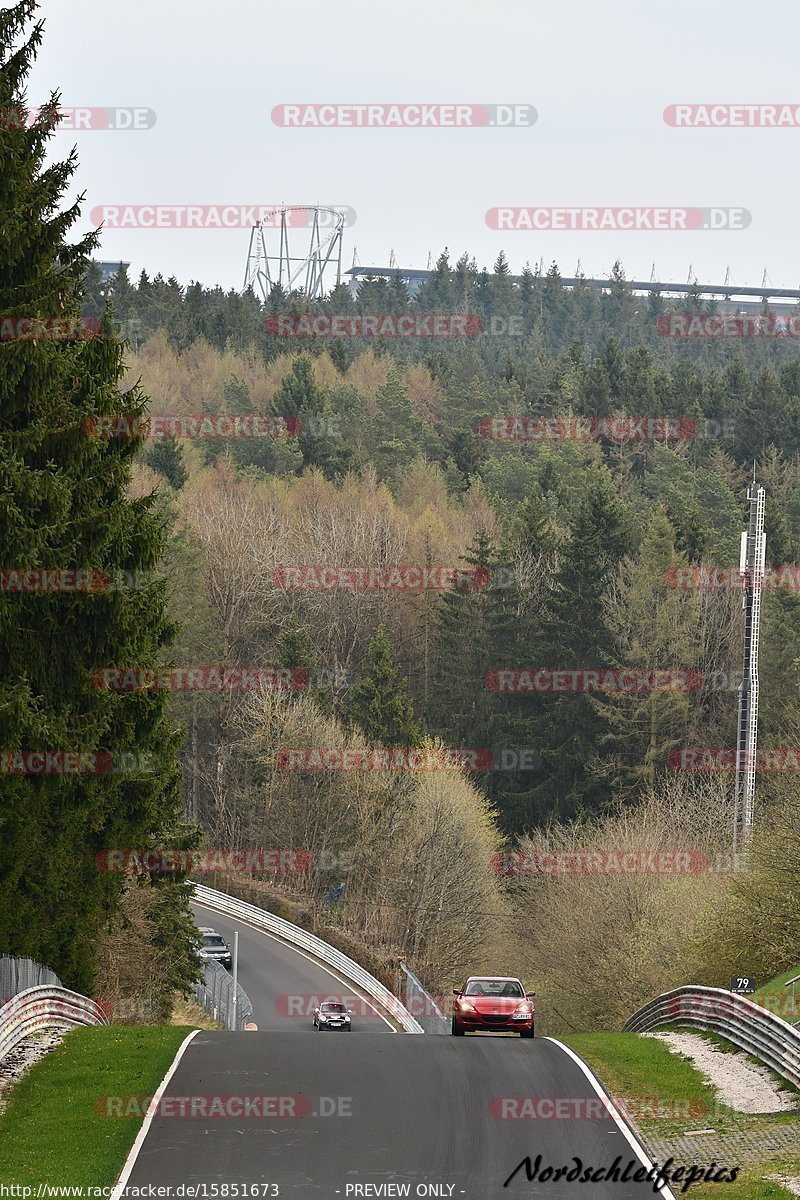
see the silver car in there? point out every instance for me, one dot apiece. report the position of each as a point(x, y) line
point(215, 948)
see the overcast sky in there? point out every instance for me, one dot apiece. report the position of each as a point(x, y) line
point(599, 77)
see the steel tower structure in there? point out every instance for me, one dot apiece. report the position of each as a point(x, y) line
point(323, 250)
point(751, 566)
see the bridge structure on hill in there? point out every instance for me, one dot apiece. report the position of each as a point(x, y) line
point(728, 296)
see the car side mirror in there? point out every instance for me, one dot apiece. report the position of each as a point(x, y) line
point(456, 992)
point(529, 995)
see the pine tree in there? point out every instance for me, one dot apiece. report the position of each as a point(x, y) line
point(300, 395)
point(501, 267)
point(398, 429)
point(438, 292)
point(166, 456)
point(63, 504)
point(479, 632)
point(378, 702)
point(527, 286)
point(654, 628)
point(295, 648)
point(573, 636)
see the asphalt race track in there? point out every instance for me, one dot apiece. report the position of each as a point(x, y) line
point(401, 1109)
point(384, 1115)
point(283, 985)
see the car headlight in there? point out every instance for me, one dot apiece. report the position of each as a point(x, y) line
point(523, 1012)
point(466, 1007)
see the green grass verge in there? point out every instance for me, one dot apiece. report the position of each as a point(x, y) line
point(777, 984)
point(778, 998)
point(641, 1069)
point(751, 1184)
point(645, 1072)
point(51, 1132)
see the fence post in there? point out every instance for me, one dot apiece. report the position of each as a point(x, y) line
point(235, 975)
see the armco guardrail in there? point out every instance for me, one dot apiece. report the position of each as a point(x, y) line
point(240, 909)
point(749, 1026)
point(44, 1007)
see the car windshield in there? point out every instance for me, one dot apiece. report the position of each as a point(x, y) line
point(334, 1008)
point(494, 987)
point(213, 941)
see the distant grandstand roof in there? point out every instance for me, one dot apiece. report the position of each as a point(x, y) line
point(110, 268)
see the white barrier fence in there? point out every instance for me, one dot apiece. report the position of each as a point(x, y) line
point(215, 993)
point(240, 910)
point(421, 1003)
point(19, 974)
point(44, 1007)
point(749, 1026)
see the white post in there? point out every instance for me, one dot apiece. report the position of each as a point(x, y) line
point(235, 974)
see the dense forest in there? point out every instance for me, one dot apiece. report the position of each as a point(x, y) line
point(581, 537)
point(579, 544)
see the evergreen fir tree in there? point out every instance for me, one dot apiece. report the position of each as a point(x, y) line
point(165, 455)
point(378, 703)
point(654, 628)
point(63, 504)
point(573, 636)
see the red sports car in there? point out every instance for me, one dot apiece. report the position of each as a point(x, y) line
point(497, 1003)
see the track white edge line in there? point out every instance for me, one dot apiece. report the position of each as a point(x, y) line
point(282, 942)
point(133, 1153)
point(614, 1113)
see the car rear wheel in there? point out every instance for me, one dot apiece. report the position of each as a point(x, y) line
point(456, 1029)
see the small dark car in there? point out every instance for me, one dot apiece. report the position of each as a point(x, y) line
point(331, 1015)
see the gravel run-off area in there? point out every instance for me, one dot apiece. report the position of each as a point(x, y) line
point(20, 1060)
point(739, 1083)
